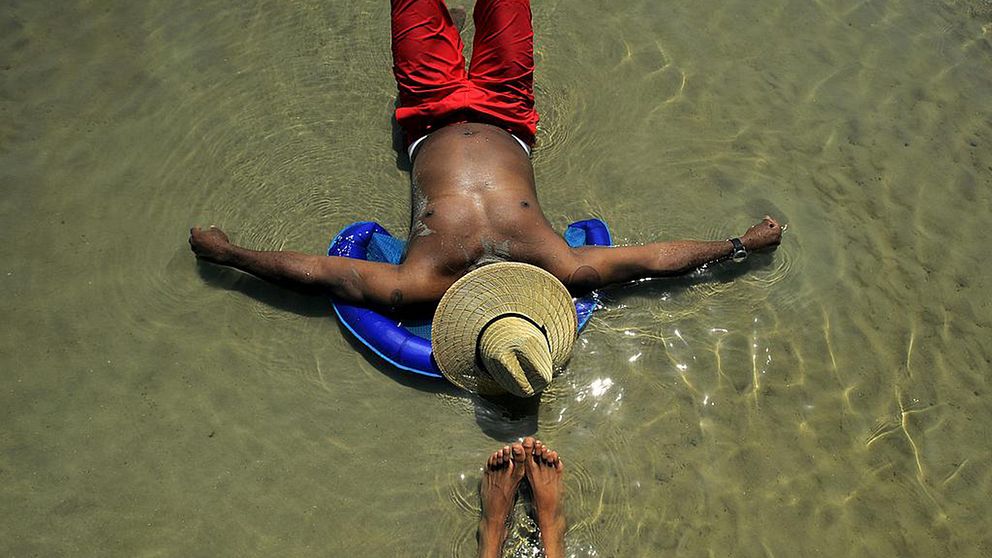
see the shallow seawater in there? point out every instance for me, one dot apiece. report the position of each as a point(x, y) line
point(830, 399)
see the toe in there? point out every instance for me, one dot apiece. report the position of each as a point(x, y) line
point(551, 457)
point(528, 444)
point(538, 448)
point(517, 453)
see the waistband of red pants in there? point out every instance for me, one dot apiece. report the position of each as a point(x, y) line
point(468, 115)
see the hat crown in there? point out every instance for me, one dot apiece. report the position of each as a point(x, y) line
point(522, 365)
point(516, 355)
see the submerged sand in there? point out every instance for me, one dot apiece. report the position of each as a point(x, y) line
point(831, 399)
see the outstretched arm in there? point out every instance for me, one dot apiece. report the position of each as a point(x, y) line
point(348, 279)
point(591, 267)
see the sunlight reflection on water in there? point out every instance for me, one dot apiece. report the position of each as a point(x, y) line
point(837, 387)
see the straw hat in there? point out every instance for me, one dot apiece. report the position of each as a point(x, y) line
point(503, 328)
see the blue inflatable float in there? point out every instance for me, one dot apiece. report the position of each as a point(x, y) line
point(406, 344)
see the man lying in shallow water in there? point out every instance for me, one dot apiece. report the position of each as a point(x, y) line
point(475, 200)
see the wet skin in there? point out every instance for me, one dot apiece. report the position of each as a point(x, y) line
point(474, 201)
point(501, 477)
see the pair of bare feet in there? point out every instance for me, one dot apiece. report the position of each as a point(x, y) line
point(502, 475)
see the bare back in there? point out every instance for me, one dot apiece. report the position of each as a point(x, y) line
point(474, 202)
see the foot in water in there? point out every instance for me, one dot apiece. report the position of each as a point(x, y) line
point(500, 479)
point(544, 471)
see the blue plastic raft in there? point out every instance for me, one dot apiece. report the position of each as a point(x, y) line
point(406, 344)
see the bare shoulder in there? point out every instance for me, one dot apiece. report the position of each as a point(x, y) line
point(406, 289)
point(546, 249)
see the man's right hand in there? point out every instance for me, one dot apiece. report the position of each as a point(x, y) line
point(766, 233)
point(210, 244)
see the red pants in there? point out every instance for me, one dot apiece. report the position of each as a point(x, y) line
point(435, 90)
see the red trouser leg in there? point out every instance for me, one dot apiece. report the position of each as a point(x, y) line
point(430, 69)
point(503, 63)
point(428, 63)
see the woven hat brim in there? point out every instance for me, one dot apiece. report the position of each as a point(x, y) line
point(479, 297)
